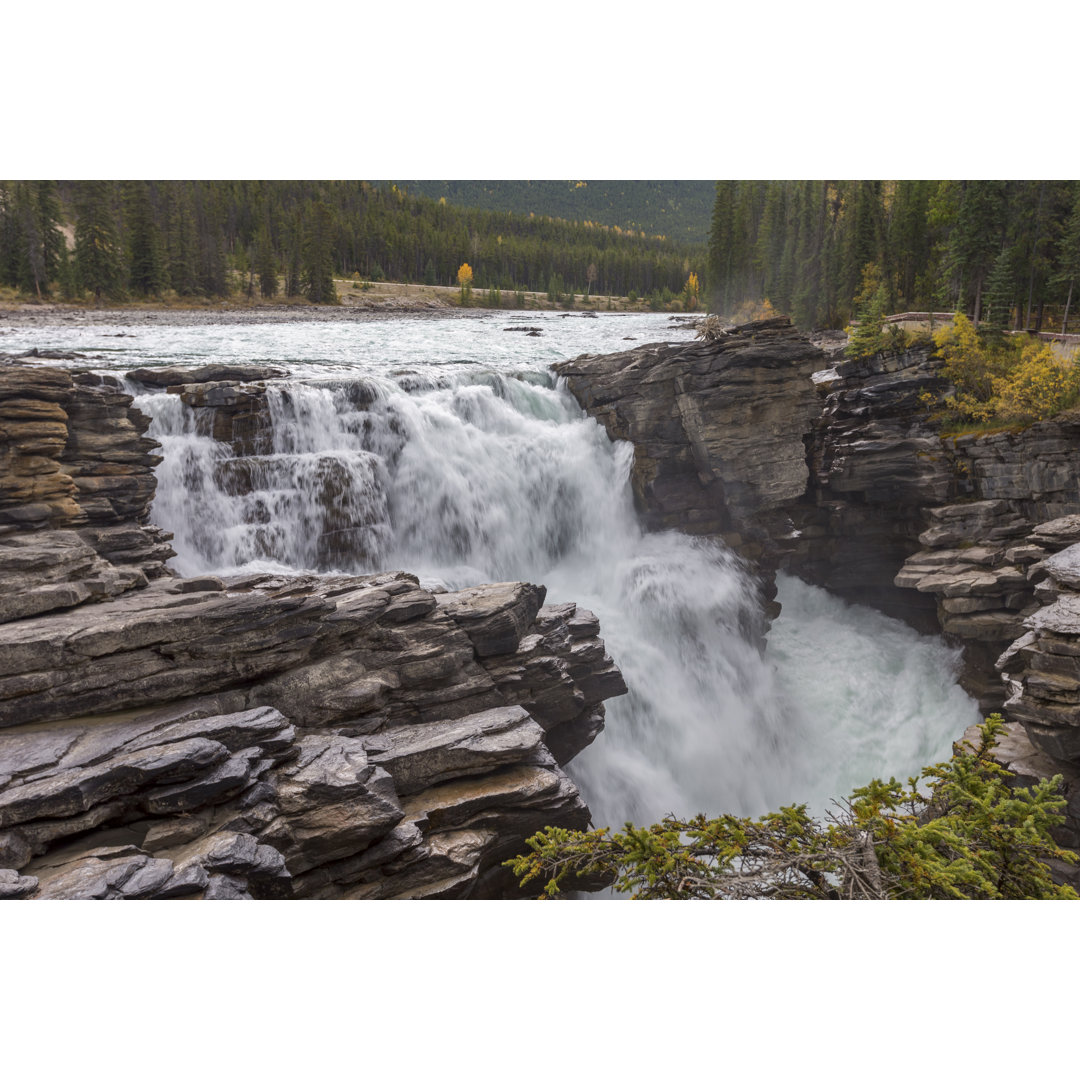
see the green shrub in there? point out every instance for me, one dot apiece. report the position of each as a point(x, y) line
point(965, 835)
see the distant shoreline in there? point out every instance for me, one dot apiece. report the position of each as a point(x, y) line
point(29, 315)
point(14, 316)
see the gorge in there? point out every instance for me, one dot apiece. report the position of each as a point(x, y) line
point(334, 701)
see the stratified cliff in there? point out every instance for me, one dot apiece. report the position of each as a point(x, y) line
point(717, 428)
point(268, 736)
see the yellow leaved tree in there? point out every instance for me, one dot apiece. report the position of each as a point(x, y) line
point(464, 280)
point(690, 292)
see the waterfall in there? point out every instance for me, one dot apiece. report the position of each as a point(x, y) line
point(493, 476)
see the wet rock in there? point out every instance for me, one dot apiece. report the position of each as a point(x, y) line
point(204, 373)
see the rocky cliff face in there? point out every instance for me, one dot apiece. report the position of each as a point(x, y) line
point(717, 428)
point(268, 736)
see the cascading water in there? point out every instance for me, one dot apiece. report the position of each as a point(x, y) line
point(472, 466)
point(481, 476)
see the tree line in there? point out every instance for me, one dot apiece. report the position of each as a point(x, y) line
point(144, 238)
point(822, 249)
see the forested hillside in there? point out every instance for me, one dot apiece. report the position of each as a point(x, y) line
point(677, 209)
point(210, 238)
point(821, 250)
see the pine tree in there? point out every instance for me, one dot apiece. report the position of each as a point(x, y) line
point(866, 338)
point(975, 239)
point(181, 239)
point(293, 259)
point(965, 832)
point(721, 266)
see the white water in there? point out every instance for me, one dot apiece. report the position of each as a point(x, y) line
point(472, 466)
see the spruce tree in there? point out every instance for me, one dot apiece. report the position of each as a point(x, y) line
point(318, 255)
point(1000, 290)
point(49, 219)
point(98, 255)
point(975, 239)
point(266, 265)
point(1068, 265)
point(181, 240)
point(146, 263)
point(721, 265)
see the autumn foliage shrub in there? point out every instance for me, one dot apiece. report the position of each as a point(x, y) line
point(1013, 380)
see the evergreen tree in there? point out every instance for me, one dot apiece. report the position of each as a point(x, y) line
point(964, 833)
point(213, 273)
point(1068, 265)
point(146, 263)
point(866, 337)
point(49, 218)
point(181, 240)
point(975, 240)
point(266, 265)
point(1000, 290)
point(318, 257)
point(721, 265)
point(293, 260)
point(27, 263)
point(99, 259)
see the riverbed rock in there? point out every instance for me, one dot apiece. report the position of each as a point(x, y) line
point(205, 373)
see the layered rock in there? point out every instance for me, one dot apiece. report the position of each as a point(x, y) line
point(717, 428)
point(1042, 666)
point(874, 466)
point(76, 483)
point(330, 737)
point(259, 736)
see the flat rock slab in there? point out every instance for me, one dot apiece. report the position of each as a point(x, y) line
point(1061, 617)
point(1064, 566)
point(180, 376)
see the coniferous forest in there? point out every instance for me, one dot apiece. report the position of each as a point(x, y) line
point(822, 250)
point(138, 239)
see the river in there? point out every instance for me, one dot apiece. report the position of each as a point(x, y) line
point(446, 448)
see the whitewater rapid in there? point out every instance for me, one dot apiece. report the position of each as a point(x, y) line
point(484, 476)
point(444, 447)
